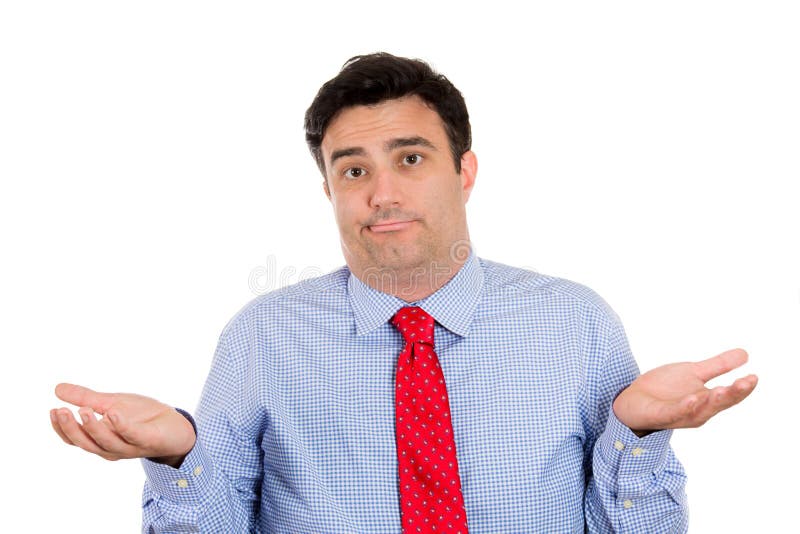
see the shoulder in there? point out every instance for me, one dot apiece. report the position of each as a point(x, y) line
point(529, 287)
point(300, 301)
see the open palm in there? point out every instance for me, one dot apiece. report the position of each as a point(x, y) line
point(675, 395)
point(132, 426)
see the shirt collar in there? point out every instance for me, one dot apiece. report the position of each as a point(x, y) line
point(453, 305)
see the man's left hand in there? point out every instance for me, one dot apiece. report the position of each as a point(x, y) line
point(675, 396)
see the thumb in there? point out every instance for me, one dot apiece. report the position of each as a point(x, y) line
point(720, 364)
point(82, 396)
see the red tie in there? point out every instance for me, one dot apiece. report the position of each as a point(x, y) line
point(430, 490)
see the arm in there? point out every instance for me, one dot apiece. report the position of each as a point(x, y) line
point(217, 487)
point(635, 485)
point(208, 482)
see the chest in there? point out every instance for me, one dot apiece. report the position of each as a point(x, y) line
point(329, 450)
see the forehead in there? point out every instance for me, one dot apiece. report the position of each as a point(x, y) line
point(362, 126)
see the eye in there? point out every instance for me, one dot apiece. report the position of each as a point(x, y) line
point(412, 159)
point(354, 173)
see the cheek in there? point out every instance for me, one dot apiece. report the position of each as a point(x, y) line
point(444, 202)
point(345, 214)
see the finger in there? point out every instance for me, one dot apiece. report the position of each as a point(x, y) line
point(745, 384)
point(54, 422)
point(720, 364)
point(77, 436)
point(721, 398)
point(685, 413)
point(81, 396)
point(724, 397)
point(104, 436)
point(121, 426)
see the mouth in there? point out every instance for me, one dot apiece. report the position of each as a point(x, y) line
point(390, 226)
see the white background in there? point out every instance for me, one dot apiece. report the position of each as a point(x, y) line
point(155, 178)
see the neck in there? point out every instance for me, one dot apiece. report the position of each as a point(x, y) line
point(412, 283)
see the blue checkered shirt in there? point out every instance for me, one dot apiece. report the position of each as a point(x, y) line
point(296, 428)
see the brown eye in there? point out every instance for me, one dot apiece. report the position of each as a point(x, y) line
point(354, 172)
point(412, 159)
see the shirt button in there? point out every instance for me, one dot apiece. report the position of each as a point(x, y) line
point(197, 470)
point(627, 503)
point(619, 445)
point(182, 483)
point(637, 451)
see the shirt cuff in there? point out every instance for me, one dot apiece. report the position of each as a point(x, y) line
point(629, 455)
point(189, 483)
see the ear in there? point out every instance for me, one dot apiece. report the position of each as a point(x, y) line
point(326, 188)
point(469, 170)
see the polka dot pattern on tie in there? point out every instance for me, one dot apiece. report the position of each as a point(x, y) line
point(430, 488)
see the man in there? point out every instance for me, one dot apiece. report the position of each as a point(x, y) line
point(419, 389)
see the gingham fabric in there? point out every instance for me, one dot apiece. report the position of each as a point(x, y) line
point(296, 424)
point(430, 489)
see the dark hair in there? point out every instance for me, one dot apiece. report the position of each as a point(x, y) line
point(374, 78)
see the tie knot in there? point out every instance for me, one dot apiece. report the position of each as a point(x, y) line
point(415, 324)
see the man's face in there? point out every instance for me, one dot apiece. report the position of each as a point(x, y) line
point(397, 198)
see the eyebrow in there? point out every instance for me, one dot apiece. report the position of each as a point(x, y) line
point(343, 153)
point(407, 141)
point(390, 145)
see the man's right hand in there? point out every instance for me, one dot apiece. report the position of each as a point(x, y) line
point(132, 426)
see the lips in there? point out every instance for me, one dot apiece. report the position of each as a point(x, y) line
point(390, 226)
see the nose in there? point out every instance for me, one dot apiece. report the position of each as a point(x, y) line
point(386, 189)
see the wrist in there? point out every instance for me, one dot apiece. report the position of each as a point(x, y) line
point(619, 412)
point(172, 461)
point(184, 444)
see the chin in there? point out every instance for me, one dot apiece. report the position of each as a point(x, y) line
point(406, 258)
